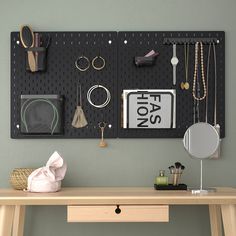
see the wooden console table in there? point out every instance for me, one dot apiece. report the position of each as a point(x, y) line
point(117, 205)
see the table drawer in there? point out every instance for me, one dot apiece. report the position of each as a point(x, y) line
point(122, 213)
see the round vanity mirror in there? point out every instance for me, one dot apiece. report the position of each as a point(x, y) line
point(201, 140)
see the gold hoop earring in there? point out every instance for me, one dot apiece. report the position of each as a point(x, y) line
point(80, 59)
point(98, 58)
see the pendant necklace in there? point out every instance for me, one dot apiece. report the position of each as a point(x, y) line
point(185, 85)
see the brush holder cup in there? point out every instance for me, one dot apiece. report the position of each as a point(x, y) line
point(40, 58)
point(176, 179)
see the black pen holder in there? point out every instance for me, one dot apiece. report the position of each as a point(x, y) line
point(40, 57)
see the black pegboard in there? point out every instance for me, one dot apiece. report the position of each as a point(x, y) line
point(132, 44)
point(61, 78)
point(120, 73)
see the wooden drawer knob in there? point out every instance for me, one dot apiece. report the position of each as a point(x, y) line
point(117, 210)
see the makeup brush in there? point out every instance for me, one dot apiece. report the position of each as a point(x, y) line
point(182, 168)
point(177, 167)
point(177, 164)
point(171, 168)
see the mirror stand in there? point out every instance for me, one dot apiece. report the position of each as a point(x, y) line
point(201, 140)
point(201, 190)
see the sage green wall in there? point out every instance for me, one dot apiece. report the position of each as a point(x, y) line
point(125, 162)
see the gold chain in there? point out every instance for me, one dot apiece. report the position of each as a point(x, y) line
point(186, 59)
point(196, 72)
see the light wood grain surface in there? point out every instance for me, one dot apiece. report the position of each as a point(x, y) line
point(127, 195)
point(134, 213)
point(6, 219)
point(215, 220)
point(18, 221)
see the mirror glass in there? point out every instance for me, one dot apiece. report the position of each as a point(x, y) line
point(201, 140)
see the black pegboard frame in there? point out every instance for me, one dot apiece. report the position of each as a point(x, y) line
point(68, 45)
point(61, 77)
point(132, 44)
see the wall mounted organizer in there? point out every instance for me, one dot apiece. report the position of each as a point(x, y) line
point(62, 76)
point(160, 76)
point(120, 73)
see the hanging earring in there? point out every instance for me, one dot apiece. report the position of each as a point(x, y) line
point(102, 126)
point(79, 119)
point(97, 59)
point(80, 61)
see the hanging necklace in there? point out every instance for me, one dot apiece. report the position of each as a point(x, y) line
point(185, 85)
point(196, 103)
point(207, 80)
point(198, 97)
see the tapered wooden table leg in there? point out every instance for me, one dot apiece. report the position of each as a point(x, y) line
point(229, 219)
point(6, 220)
point(215, 219)
point(19, 221)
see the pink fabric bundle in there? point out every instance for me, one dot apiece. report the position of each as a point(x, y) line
point(48, 178)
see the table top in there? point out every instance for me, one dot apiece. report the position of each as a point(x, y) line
point(117, 196)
